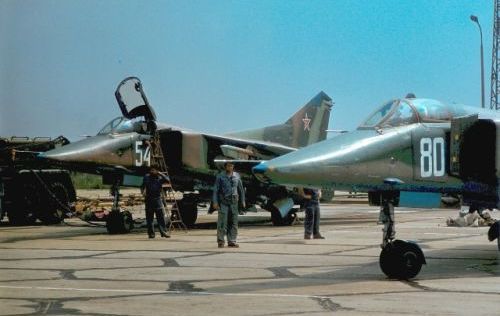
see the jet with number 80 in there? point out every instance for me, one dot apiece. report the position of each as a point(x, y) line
point(409, 152)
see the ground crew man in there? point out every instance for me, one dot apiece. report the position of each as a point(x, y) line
point(311, 204)
point(151, 190)
point(228, 191)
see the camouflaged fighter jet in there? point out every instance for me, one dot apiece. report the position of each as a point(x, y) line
point(121, 149)
point(409, 153)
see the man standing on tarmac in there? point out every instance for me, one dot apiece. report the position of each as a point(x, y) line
point(151, 190)
point(228, 191)
point(311, 204)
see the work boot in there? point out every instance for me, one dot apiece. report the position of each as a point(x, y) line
point(233, 245)
point(307, 236)
point(165, 235)
point(220, 244)
point(151, 235)
point(318, 236)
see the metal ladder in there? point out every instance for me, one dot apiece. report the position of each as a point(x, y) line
point(168, 193)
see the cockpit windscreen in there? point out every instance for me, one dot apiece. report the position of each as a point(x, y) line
point(408, 111)
point(121, 125)
point(391, 114)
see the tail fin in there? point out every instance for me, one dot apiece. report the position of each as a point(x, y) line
point(307, 126)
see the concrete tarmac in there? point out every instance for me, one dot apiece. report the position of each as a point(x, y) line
point(75, 269)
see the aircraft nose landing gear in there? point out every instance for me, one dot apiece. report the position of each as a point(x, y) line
point(399, 259)
point(118, 221)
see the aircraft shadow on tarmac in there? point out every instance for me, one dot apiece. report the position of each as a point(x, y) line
point(456, 263)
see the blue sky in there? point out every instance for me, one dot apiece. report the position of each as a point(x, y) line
point(220, 66)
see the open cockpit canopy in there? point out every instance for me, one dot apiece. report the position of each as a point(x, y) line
point(133, 101)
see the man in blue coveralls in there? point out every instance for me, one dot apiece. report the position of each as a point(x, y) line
point(228, 191)
point(151, 189)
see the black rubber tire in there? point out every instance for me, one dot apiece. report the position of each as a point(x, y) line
point(54, 212)
point(400, 260)
point(189, 211)
point(128, 222)
point(119, 222)
point(19, 216)
point(494, 230)
point(278, 220)
point(25, 205)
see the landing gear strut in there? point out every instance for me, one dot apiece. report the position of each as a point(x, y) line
point(118, 222)
point(399, 259)
point(386, 217)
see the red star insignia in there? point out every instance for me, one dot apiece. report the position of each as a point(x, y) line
point(307, 123)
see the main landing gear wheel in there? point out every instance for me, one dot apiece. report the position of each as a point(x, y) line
point(189, 211)
point(494, 233)
point(401, 259)
point(279, 220)
point(119, 222)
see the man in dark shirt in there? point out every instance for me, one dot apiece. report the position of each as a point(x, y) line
point(152, 190)
point(228, 191)
point(311, 204)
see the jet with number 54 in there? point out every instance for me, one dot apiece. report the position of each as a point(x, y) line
point(409, 152)
point(121, 151)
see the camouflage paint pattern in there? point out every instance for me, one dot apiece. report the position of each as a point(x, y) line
point(307, 126)
point(122, 144)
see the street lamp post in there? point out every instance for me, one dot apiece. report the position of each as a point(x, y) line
point(476, 20)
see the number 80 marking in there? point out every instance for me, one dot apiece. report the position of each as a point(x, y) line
point(432, 157)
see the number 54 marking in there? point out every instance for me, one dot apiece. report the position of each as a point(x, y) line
point(143, 155)
point(432, 157)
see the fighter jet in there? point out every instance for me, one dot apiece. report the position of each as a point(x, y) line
point(121, 150)
point(408, 153)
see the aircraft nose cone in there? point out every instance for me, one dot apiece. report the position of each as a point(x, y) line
point(261, 172)
point(57, 155)
point(261, 168)
point(44, 156)
point(86, 150)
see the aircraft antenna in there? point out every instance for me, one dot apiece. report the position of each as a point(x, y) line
point(495, 63)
